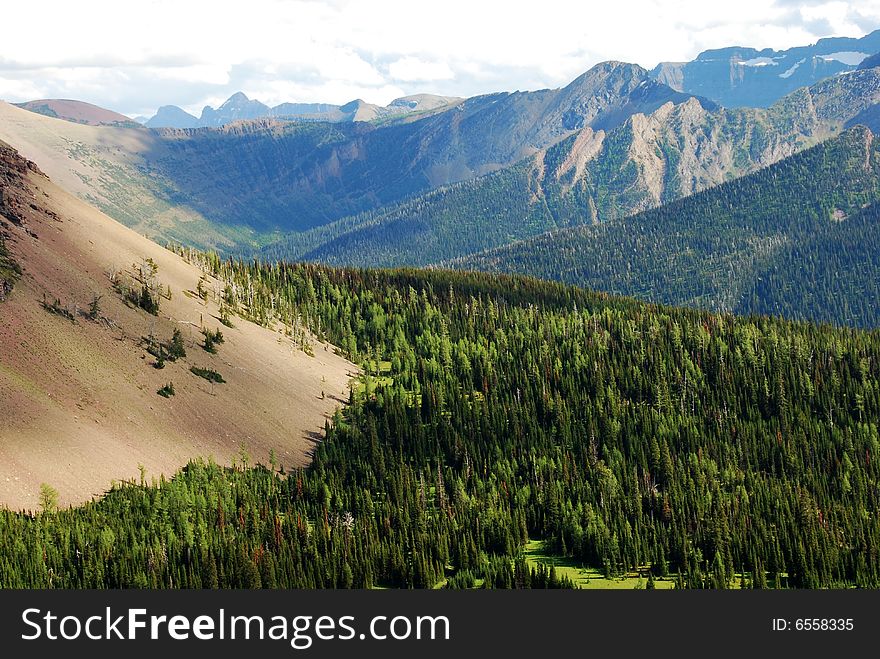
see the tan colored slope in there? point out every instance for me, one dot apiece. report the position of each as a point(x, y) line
point(78, 401)
point(77, 111)
point(106, 166)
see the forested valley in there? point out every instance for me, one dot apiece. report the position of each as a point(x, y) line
point(797, 239)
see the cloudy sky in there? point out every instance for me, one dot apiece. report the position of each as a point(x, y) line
point(136, 56)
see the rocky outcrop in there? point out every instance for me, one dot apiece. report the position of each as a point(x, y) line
point(16, 203)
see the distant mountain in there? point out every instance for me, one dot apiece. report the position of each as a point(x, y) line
point(233, 187)
point(171, 116)
point(437, 184)
point(746, 77)
point(799, 239)
point(239, 108)
point(592, 176)
point(870, 62)
point(77, 112)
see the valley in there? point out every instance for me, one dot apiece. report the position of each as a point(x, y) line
point(620, 333)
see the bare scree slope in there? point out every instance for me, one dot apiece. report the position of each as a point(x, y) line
point(78, 390)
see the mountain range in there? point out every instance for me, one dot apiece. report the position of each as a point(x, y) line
point(239, 107)
point(237, 186)
point(733, 76)
point(592, 176)
point(748, 77)
point(448, 180)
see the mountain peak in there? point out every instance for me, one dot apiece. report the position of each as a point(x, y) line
point(610, 67)
point(237, 98)
point(171, 116)
point(353, 106)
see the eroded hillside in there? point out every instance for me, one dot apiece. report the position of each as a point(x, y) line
point(79, 353)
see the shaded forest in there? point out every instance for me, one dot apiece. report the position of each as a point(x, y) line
point(797, 239)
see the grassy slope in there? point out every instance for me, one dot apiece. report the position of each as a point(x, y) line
point(108, 166)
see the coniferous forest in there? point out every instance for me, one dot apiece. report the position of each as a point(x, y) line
point(796, 239)
point(494, 410)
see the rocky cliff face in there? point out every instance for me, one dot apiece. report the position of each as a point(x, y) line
point(680, 149)
point(17, 206)
point(16, 203)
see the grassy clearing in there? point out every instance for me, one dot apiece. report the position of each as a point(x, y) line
point(370, 376)
point(587, 577)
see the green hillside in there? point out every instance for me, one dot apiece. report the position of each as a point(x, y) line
point(797, 239)
point(495, 412)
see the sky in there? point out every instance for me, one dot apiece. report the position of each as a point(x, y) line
point(133, 57)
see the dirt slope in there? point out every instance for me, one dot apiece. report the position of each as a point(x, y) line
point(78, 401)
point(76, 111)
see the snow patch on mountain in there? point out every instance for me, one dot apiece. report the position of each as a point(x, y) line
point(848, 57)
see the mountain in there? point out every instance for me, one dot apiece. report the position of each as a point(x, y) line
point(235, 186)
point(78, 390)
point(78, 112)
point(239, 107)
point(797, 239)
point(611, 143)
point(870, 62)
point(171, 116)
point(295, 177)
point(592, 176)
point(746, 77)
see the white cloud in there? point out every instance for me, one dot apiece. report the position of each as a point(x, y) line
point(134, 57)
point(412, 69)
